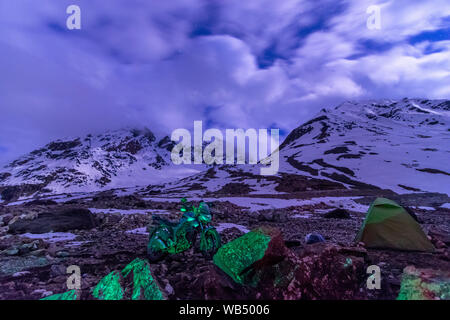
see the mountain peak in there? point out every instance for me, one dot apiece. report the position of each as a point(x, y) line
point(116, 158)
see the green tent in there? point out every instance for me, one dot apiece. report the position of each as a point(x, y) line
point(388, 225)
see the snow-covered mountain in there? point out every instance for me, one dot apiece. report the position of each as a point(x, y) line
point(398, 145)
point(403, 146)
point(120, 158)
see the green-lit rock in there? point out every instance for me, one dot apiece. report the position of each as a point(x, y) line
point(110, 287)
point(144, 286)
point(69, 295)
point(424, 284)
point(237, 257)
point(135, 282)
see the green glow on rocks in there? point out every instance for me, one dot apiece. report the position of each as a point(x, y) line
point(109, 288)
point(143, 282)
point(236, 256)
point(116, 286)
point(420, 284)
point(69, 295)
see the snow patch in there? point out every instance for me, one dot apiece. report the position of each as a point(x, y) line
point(425, 208)
point(51, 236)
point(142, 231)
point(302, 215)
point(255, 204)
point(75, 243)
point(223, 226)
point(129, 211)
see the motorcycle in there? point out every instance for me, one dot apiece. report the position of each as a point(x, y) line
point(175, 237)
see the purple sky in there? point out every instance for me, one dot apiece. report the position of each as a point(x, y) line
point(231, 63)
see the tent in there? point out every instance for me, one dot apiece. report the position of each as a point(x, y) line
point(388, 225)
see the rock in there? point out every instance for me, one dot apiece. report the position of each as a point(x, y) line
point(69, 295)
point(292, 243)
point(337, 214)
point(62, 254)
point(424, 284)
point(265, 215)
point(7, 218)
point(314, 238)
point(214, 284)
point(113, 218)
point(42, 292)
point(39, 252)
point(58, 221)
point(5, 237)
point(13, 220)
point(260, 246)
point(260, 261)
point(135, 282)
point(280, 216)
point(322, 271)
point(28, 247)
point(57, 270)
point(439, 244)
point(12, 252)
point(169, 289)
point(271, 215)
point(20, 274)
point(145, 286)
point(11, 193)
point(13, 264)
point(3, 231)
point(438, 236)
point(109, 287)
point(40, 202)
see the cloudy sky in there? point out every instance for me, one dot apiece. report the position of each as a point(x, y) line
point(230, 63)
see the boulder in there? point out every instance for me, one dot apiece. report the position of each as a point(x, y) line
point(273, 215)
point(6, 219)
point(134, 282)
point(322, 271)
point(314, 237)
point(41, 202)
point(337, 214)
point(12, 264)
point(258, 247)
point(109, 287)
point(424, 284)
point(141, 284)
point(260, 260)
point(213, 284)
point(57, 221)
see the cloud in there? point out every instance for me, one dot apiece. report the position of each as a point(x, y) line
point(252, 64)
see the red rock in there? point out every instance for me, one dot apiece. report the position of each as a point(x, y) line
point(424, 284)
point(318, 271)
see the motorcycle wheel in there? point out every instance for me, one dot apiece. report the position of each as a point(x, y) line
point(154, 249)
point(210, 243)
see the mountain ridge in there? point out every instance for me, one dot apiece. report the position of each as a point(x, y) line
point(399, 145)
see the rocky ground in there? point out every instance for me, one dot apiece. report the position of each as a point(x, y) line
point(106, 232)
